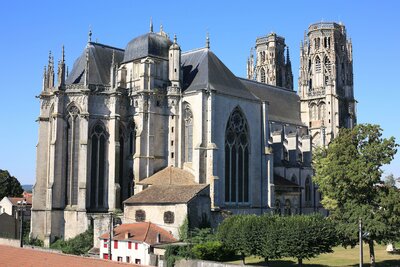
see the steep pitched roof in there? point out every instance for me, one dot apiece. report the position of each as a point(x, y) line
point(202, 69)
point(284, 104)
point(149, 44)
point(146, 232)
point(167, 194)
point(169, 176)
point(100, 57)
point(281, 181)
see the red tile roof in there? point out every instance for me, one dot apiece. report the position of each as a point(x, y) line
point(170, 176)
point(14, 200)
point(27, 257)
point(141, 232)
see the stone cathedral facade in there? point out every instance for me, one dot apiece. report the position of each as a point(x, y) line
point(122, 115)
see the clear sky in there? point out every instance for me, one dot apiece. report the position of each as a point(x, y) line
point(29, 29)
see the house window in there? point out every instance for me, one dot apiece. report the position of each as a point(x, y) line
point(98, 167)
point(115, 244)
point(169, 217)
point(119, 259)
point(140, 215)
point(237, 158)
point(136, 246)
point(128, 259)
point(105, 243)
point(129, 245)
point(137, 261)
point(188, 117)
point(72, 156)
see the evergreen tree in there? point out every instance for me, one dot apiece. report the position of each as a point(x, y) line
point(348, 174)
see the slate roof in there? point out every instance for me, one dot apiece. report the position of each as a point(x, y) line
point(281, 181)
point(167, 194)
point(149, 44)
point(284, 104)
point(170, 176)
point(202, 69)
point(141, 232)
point(100, 57)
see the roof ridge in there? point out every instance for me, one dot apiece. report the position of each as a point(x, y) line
point(147, 232)
point(108, 46)
point(194, 50)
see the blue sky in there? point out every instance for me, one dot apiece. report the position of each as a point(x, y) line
point(29, 29)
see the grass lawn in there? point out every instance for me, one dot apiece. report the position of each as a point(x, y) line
point(340, 257)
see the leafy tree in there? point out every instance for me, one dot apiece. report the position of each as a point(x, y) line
point(270, 247)
point(212, 250)
point(306, 236)
point(9, 185)
point(78, 245)
point(348, 174)
point(183, 230)
point(234, 232)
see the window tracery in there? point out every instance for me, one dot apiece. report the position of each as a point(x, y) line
point(237, 159)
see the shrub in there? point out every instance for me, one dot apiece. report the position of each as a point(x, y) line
point(212, 250)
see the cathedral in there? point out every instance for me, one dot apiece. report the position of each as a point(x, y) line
point(123, 115)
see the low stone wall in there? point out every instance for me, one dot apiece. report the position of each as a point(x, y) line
point(9, 242)
point(200, 263)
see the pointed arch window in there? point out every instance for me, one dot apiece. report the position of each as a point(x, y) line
point(262, 74)
point(188, 120)
point(277, 207)
point(98, 167)
point(317, 65)
point(237, 159)
point(327, 64)
point(321, 110)
point(288, 207)
point(72, 156)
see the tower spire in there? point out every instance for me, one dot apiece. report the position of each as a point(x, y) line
point(175, 39)
point(62, 54)
point(61, 70)
point(151, 24)
point(208, 41)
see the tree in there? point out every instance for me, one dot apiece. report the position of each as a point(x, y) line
point(9, 185)
point(348, 174)
point(271, 247)
point(306, 236)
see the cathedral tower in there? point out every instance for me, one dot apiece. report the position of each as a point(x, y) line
point(326, 81)
point(271, 66)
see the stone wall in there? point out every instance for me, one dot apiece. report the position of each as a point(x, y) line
point(200, 263)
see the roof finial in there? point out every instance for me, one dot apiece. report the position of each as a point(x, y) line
point(90, 34)
point(62, 54)
point(208, 41)
point(161, 28)
point(175, 39)
point(151, 24)
point(113, 58)
point(50, 56)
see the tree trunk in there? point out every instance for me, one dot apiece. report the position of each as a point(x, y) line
point(300, 262)
point(267, 262)
point(244, 259)
point(371, 252)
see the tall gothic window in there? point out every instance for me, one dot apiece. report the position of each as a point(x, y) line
point(188, 120)
point(288, 207)
point(132, 139)
point(72, 156)
point(327, 64)
point(98, 167)
point(237, 159)
point(317, 65)
point(262, 75)
point(307, 188)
